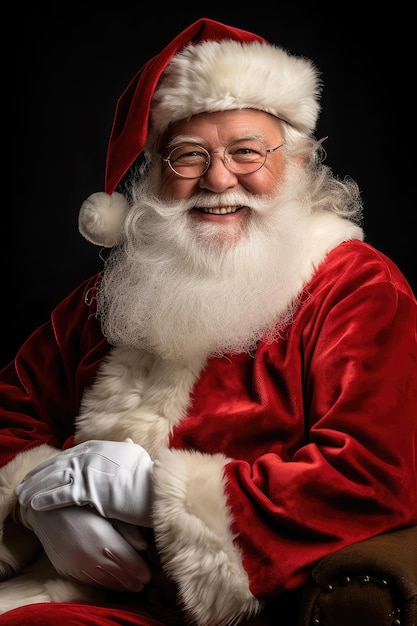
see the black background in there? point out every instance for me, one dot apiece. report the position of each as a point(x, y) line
point(67, 64)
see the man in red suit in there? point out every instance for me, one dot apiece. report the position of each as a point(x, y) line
point(235, 395)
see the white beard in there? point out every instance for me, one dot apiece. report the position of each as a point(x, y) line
point(178, 289)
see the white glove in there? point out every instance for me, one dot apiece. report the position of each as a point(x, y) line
point(115, 477)
point(83, 545)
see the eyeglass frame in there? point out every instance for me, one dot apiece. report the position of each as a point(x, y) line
point(197, 146)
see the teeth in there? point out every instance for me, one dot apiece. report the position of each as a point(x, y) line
point(221, 210)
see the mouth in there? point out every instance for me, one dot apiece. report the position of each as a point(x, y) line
point(223, 210)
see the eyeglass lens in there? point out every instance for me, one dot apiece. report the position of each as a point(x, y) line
point(241, 156)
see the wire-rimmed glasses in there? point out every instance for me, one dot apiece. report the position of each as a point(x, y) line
point(241, 156)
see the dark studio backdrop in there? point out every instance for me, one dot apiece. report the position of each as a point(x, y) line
point(66, 68)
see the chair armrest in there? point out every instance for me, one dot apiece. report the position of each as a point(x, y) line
point(372, 582)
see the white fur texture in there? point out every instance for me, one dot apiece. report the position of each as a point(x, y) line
point(136, 395)
point(223, 75)
point(41, 583)
point(12, 475)
point(17, 546)
point(101, 218)
point(193, 533)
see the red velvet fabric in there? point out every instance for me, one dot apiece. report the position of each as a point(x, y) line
point(92, 614)
point(75, 614)
point(322, 423)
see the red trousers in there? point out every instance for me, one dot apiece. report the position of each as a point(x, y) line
point(75, 614)
point(111, 614)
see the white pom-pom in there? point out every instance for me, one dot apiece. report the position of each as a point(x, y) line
point(101, 218)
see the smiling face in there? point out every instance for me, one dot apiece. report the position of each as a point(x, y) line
point(210, 263)
point(215, 131)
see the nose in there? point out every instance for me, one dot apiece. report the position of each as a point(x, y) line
point(218, 178)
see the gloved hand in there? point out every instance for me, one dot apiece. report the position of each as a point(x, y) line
point(115, 477)
point(83, 545)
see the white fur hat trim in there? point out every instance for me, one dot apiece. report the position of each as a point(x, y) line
point(223, 75)
point(101, 218)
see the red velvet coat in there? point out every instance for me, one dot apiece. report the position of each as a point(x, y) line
point(267, 462)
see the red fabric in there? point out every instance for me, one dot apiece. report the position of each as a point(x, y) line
point(130, 125)
point(75, 614)
point(322, 423)
point(86, 614)
point(40, 392)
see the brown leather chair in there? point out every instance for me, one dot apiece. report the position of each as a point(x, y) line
point(370, 583)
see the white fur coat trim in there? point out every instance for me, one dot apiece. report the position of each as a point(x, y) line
point(11, 475)
point(136, 395)
point(37, 582)
point(193, 534)
point(139, 396)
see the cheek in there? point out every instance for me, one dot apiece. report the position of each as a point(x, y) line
point(176, 188)
point(274, 173)
point(262, 183)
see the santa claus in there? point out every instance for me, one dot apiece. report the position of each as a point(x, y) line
point(234, 396)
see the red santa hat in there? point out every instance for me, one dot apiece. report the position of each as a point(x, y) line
point(208, 67)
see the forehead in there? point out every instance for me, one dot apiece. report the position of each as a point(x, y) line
point(222, 126)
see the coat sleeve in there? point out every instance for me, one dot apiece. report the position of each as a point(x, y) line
point(355, 474)
point(235, 532)
point(39, 398)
